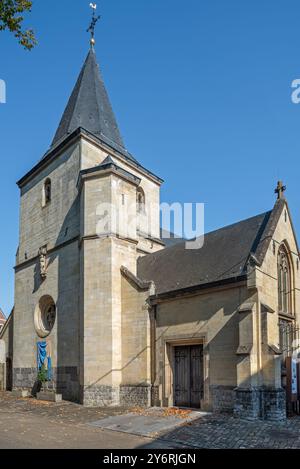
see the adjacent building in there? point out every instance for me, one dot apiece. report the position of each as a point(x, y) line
point(2, 319)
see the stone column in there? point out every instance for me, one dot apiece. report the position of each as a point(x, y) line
point(273, 395)
point(248, 393)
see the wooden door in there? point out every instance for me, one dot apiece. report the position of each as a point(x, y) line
point(182, 377)
point(196, 377)
point(188, 379)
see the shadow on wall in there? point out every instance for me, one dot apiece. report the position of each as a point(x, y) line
point(67, 322)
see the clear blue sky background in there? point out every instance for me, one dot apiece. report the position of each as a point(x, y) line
point(201, 90)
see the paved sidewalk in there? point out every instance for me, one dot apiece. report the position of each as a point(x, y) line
point(31, 424)
point(150, 423)
point(27, 423)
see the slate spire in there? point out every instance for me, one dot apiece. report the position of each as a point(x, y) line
point(89, 107)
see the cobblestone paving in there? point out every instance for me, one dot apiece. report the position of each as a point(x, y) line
point(209, 431)
point(226, 432)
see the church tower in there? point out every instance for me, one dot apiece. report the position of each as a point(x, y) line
point(89, 209)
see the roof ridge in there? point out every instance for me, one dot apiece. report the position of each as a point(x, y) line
point(220, 229)
point(238, 222)
point(269, 230)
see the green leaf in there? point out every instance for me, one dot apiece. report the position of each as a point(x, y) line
point(12, 18)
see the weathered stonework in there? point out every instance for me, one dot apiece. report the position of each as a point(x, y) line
point(24, 378)
point(260, 403)
point(101, 396)
point(274, 404)
point(135, 396)
point(124, 396)
point(155, 402)
point(223, 398)
point(248, 403)
point(65, 381)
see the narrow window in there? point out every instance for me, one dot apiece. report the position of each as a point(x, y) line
point(287, 335)
point(284, 282)
point(140, 200)
point(47, 192)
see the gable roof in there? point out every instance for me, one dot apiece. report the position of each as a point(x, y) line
point(7, 322)
point(223, 258)
point(89, 107)
point(2, 317)
point(107, 164)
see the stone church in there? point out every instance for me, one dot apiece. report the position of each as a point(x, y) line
point(127, 319)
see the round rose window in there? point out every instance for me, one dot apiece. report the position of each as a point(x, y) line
point(45, 316)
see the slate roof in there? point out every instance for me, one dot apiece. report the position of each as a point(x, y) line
point(88, 113)
point(109, 163)
point(169, 238)
point(223, 258)
point(89, 107)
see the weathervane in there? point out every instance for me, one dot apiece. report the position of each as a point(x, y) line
point(92, 26)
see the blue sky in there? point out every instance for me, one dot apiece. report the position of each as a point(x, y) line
point(201, 90)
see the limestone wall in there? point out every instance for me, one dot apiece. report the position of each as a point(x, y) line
point(92, 156)
point(56, 225)
point(266, 278)
point(136, 351)
point(102, 327)
point(58, 221)
point(210, 318)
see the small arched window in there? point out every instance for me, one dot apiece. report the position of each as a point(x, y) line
point(284, 282)
point(47, 192)
point(140, 200)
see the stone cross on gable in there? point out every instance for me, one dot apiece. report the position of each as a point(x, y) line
point(280, 190)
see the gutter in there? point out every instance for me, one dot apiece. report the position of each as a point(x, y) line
point(80, 132)
point(154, 299)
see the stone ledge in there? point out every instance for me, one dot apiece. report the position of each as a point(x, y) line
point(20, 393)
point(49, 396)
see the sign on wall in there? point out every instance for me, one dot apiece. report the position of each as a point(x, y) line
point(292, 379)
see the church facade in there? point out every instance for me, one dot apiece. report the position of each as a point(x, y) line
point(126, 319)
